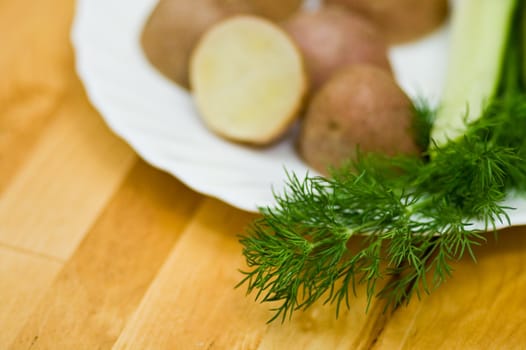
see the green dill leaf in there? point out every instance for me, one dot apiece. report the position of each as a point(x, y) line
point(424, 117)
point(415, 217)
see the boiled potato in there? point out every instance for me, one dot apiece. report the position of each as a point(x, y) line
point(274, 9)
point(360, 106)
point(172, 30)
point(332, 38)
point(175, 26)
point(400, 20)
point(248, 79)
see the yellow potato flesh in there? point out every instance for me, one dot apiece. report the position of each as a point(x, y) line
point(248, 80)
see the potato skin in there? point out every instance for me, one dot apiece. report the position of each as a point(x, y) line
point(174, 27)
point(360, 106)
point(332, 38)
point(276, 10)
point(400, 20)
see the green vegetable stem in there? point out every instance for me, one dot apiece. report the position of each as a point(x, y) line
point(415, 214)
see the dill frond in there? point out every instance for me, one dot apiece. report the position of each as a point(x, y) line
point(424, 117)
point(415, 217)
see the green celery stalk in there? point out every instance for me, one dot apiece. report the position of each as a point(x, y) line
point(523, 44)
point(480, 29)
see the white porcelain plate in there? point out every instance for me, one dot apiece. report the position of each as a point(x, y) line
point(160, 122)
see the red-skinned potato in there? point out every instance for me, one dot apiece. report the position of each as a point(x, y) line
point(331, 38)
point(175, 26)
point(400, 20)
point(361, 106)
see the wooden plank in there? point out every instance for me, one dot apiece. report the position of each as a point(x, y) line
point(23, 280)
point(103, 282)
point(47, 135)
point(43, 31)
point(58, 193)
point(317, 328)
point(36, 64)
point(20, 127)
point(42, 107)
point(192, 303)
point(482, 307)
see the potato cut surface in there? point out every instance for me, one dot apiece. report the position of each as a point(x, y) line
point(248, 80)
point(174, 28)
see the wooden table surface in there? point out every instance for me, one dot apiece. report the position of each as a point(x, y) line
point(99, 250)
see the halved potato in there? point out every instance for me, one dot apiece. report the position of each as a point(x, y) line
point(175, 26)
point(248, 79)
point(173, 29)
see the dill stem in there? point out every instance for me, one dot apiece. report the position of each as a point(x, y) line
point(417, 207)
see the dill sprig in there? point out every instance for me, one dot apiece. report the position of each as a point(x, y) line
point(416, 218)
point(415, 215)
point(424, 117)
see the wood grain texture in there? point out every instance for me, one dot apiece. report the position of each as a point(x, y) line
point(66, 161)
point(100, 286)
point(23, 280)
point(483, 306)
point(317, 328)
point(64, 183)
point(98, 250)
point(36, 65)
point(192, 304)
